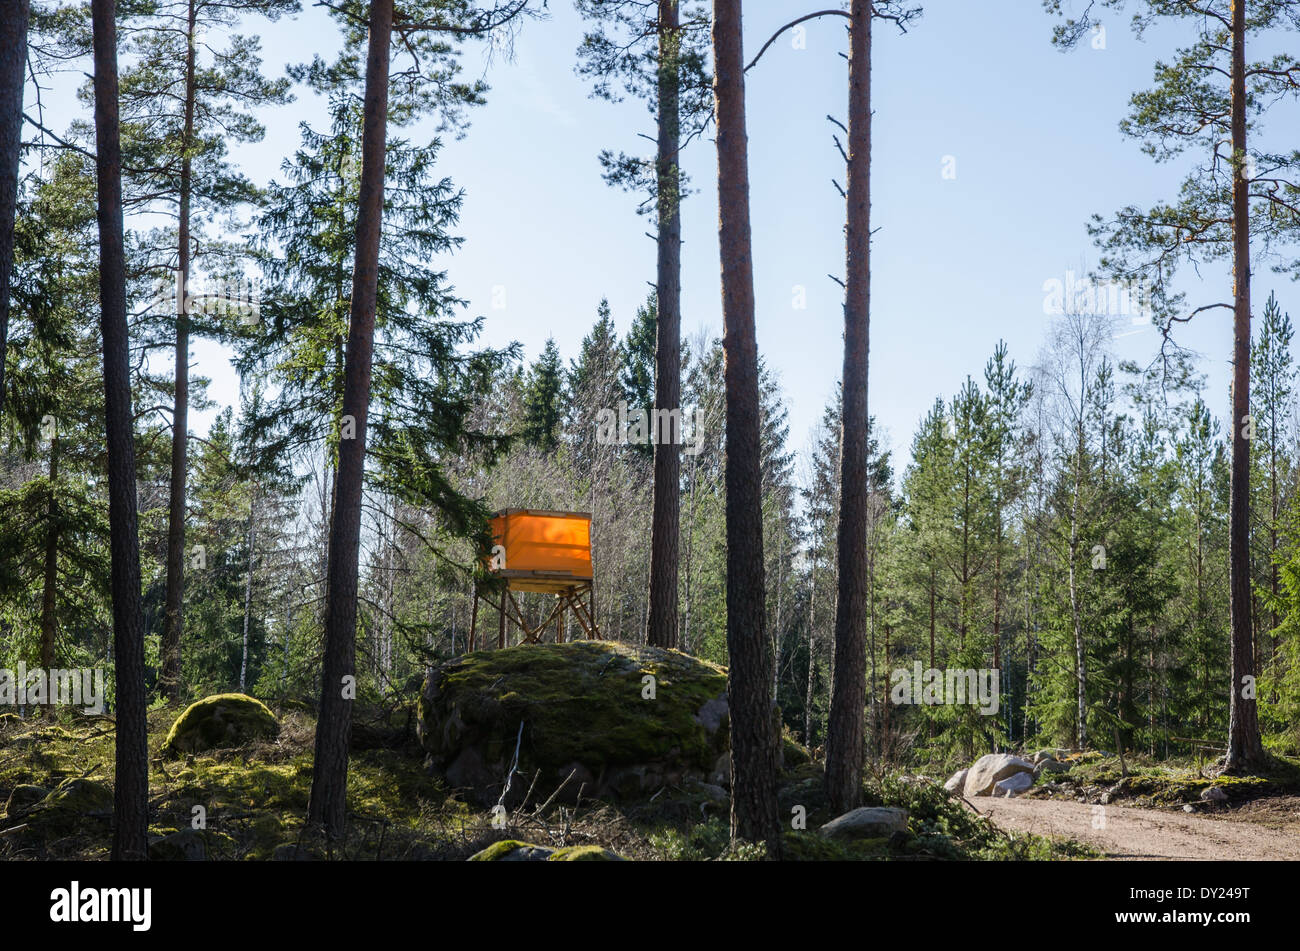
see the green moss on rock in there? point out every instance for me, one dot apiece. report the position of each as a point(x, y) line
point(74, 805)
point(579, 703)
point(23, 797)
point(220, 722)
point(584, 853)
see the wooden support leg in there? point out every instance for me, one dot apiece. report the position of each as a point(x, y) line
point(559, 623)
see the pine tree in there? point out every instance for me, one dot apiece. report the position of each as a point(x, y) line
point(1212, 95)
point(543, 395)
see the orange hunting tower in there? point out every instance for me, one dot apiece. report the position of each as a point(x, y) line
point(549, 552)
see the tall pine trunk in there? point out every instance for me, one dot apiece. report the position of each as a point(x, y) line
point(50, 573)
point(1244, 748)
point(174, 598)
point(754, 815)
point(661, 624)
point(328, 804)
point(130, 801)
point(844, 737)
point(14, 16)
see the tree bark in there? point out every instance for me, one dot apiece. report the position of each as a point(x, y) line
point(130, 800)
point(328, 803)
point(844, 737)
point(661, 624)
point(14, 17)
point(754, 815)
point(1245, 750)
point(50, 580)
point(248, 589)
point(174, 598)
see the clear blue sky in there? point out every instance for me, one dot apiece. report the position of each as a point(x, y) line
point(957, 263)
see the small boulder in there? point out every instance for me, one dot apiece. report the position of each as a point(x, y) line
point(1050, 766)
point(292, 852)
point(1013, 785)
point(868, 822)
point(990, 769)
point(957, 782)
point(187, 845)
point(1213, 794)
point(23, 798)
point(721, 773)
point(714, 792)
point(71, 805)
point(222, 721)
point(1042, 755)
point(512, 850)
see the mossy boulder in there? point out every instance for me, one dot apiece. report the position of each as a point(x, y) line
point(184, 845)
point(585, 853)
point(586, 708)
point(513, 850)
point(23, 797)
point(73, 806)
point(222, 721)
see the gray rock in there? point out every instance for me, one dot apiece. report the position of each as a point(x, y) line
point(1189, 808)
point(1042, 755)
point(721, 774)
point(1213, 794)
point(957, 782)
point(713, 713)
point(1050, 766)
point(990, 769)
point(716, 793)
point(1013, 785)
point(868, 822)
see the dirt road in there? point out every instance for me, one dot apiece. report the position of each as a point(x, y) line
point(1263, 830)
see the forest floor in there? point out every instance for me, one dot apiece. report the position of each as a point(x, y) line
point(1262, 829)
point(253, 803)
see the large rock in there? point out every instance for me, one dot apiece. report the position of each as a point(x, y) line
point(581, 705)
point(222, 721)
point(1013, 785)
point(868, 822)
point(1213, 794)
point(957, 781)
point(989, 769)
